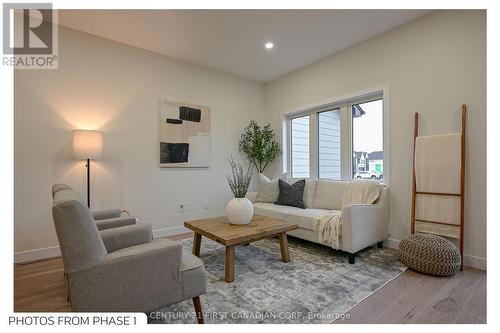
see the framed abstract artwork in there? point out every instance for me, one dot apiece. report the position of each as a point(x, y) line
point(184, 135)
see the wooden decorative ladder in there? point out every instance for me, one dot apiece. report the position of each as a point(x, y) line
point(462, 186)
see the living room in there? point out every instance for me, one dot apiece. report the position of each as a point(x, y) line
point(245, 166)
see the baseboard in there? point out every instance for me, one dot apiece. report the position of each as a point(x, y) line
point(165, 232)
point(54, 251)
point(469, 261)
point(37, 254)
point(476, 262)
point(392, 243)
point(24, 257)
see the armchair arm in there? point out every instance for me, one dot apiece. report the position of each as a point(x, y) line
point(109, 213)
point(363, 225)
point(140, 279)
point(115, 222)
point(121, 237)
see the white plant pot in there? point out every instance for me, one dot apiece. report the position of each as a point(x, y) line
point(239, 211)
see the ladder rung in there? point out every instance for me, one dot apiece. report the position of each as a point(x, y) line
point(436, 222)
point(439, 193)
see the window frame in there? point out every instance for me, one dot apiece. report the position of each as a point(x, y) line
point(344, 103)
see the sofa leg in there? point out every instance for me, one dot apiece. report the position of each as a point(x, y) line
point(198, 310)
point(351, 257)
point(380, 245)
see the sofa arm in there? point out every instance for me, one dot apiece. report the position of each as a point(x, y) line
point(252, 196)
point(115, 222)
point(363, 225)
point(121, 237)
point(104, 214)
point(137, 279)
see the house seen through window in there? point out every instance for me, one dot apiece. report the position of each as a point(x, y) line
point(368, 140)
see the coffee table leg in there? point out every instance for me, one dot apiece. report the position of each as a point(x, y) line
point(196, 244)
point(285, 255)
point(229, 263)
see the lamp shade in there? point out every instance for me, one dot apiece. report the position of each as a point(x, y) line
point(87, 144)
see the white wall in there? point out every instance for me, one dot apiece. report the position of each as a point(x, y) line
point(432, 66)
point(115, 88)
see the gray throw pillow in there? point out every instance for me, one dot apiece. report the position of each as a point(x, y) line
point(291, 195)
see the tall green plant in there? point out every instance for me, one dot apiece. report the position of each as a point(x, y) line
point(259, 145)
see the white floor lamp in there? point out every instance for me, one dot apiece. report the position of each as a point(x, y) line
point(87, 145)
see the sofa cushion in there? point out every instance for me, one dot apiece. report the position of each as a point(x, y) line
point(291, 195)
point(302, 217)
point(329, 194)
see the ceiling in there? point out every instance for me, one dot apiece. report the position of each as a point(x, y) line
point(233, 40)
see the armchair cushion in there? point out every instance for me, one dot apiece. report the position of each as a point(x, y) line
point(115, 222)
point(193, 276)
point(121, 237)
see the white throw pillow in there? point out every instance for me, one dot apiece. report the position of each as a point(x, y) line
point(268, 189)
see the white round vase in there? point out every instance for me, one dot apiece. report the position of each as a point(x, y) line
point(239, 211)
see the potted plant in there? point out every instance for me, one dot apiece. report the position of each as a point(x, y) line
point(239, 210)
point(259, 145)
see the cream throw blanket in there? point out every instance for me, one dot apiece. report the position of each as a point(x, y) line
point(437, 169)
point(328, 227)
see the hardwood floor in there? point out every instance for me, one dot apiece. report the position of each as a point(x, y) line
point(415, 298)
point(410, 298)
point(40, 287)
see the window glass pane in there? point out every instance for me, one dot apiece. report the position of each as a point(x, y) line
point(300, 147)
point(368, 140)
point(329, 144)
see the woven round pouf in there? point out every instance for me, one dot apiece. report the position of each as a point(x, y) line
point(430, 254)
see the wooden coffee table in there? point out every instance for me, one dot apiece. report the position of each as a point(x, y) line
point(220, 230)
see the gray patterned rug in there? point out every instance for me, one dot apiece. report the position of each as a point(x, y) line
point(318, 285)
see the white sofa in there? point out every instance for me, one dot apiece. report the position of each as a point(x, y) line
point(363, 225)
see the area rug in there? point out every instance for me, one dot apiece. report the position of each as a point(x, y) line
point(318, 285)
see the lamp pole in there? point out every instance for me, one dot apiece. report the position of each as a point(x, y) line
point(88, 182)
point(87, 145)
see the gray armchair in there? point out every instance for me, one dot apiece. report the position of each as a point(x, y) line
point(122, 269)
point(106, 218)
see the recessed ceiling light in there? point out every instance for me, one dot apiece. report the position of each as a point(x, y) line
point(269, 45)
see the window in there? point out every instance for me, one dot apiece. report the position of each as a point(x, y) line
point(329, 159)
point(342, 140)
point(368, 140)
point(300, 147)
